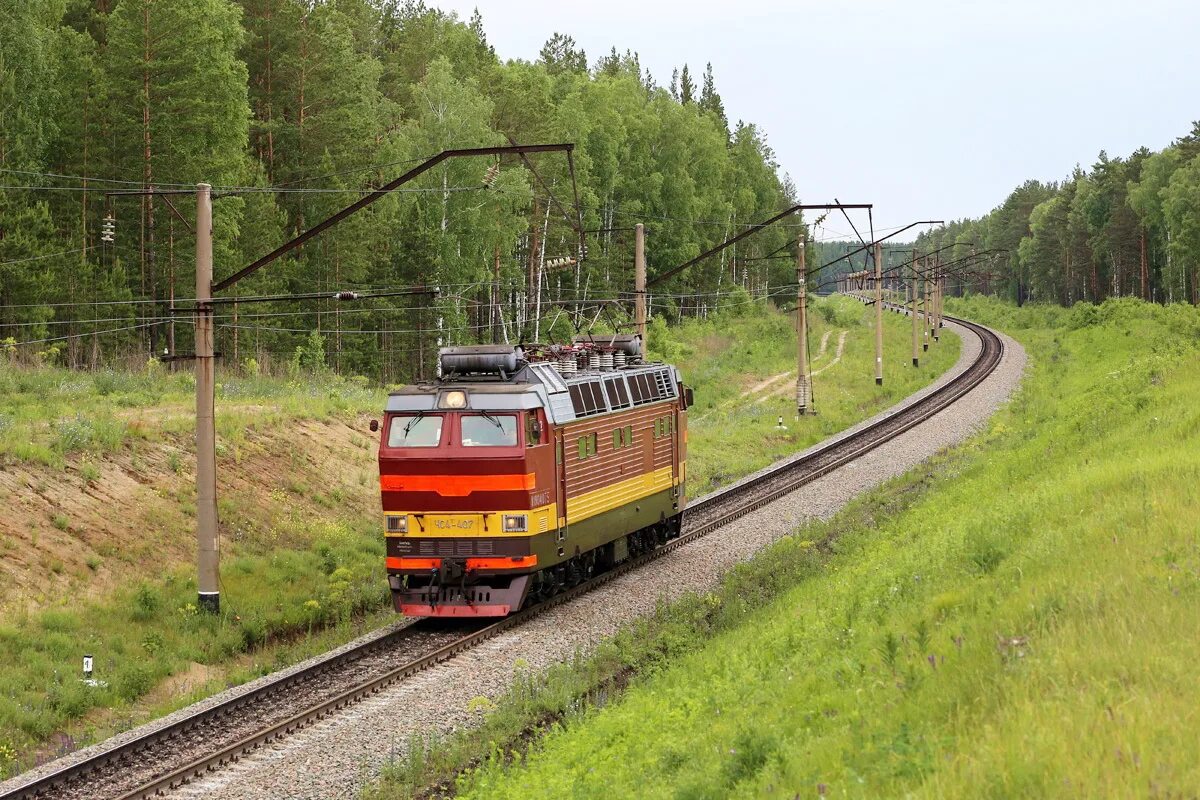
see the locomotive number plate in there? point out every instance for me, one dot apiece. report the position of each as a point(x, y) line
point(459, 524)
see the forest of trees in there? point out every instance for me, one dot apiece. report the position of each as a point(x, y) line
point(291, 109)
point(1126, 227)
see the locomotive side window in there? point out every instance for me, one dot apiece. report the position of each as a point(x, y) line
point(618, 397)
point(622, 437)
point(587, 398)
point(646, 387)
point(415, 430)
point(597, 396)
point(587, 446)
point(533, 430)
point(487, 430)
point(635, 389)
point(577, 400)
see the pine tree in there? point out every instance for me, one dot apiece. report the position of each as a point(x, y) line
point(710, 101)
point(476, 26)
point(560, 54)
point(27, 127)
point(687, 89)
point(271, 27)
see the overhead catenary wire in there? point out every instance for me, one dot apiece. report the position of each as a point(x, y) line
point(65, 337)
point(185, 188)
point(85, 178)
point(48, 255)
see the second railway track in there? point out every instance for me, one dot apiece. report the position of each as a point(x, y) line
point(170, 756)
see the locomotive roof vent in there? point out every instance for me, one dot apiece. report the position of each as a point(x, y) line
point(481, 359)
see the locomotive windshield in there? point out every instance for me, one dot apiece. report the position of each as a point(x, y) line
point(489, 430)
point(415, 430)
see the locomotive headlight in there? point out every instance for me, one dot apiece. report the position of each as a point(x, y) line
point(398, 524)
point(516, 523)
point(453, 399)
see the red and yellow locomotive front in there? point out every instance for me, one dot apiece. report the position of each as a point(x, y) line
point(464, 483)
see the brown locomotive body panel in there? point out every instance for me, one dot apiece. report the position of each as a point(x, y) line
point(495, 490)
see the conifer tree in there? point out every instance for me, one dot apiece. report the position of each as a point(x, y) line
point(27, 127)
point(687, 89)
point(710, 101)
point(560, 54)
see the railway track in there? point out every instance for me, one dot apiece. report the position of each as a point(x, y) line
point(170, 756)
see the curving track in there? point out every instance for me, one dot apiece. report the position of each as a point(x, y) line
point(170, 756)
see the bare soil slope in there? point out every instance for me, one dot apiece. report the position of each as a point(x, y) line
point(102, 521)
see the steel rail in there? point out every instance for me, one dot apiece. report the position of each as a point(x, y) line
point(744, 497)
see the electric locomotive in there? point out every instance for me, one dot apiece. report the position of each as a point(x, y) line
point(522, 471)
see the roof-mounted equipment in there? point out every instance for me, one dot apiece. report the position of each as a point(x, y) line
point(481, 359)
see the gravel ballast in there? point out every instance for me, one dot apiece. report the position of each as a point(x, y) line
point(339, 755)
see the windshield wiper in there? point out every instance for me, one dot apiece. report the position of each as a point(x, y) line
point(491, 419)
point(412, 422)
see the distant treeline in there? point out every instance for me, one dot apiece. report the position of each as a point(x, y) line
point(290, 109)
point(1126, 227)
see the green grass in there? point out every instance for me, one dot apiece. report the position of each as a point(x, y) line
point(49, 415)
point(145, 633)
point(730, 435)
point(1017, 620)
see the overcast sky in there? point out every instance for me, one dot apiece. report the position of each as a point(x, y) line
point(927, 109)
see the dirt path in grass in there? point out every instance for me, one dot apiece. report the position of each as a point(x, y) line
point(824, 344)
point(779, 384)
point(837, 356)
point(781, 390)
point(762, 385)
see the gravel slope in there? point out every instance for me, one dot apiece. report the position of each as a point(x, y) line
point(337, 756)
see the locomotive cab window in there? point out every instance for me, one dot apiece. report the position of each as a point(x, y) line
point(415, 430)
point(489, 430)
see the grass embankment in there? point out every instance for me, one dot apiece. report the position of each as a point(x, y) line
point(744, 374)
point(59, 417)
point(96, 542)
point(1018, 619)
